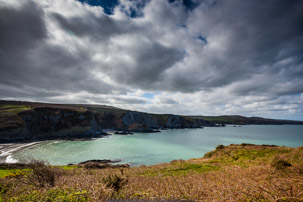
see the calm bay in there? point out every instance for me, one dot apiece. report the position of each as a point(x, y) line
point(154, 148)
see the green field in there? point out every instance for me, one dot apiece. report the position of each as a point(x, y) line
point(15, 109)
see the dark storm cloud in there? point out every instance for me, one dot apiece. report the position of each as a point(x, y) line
point(21, 28)
point(151, 62)
point(33, 67)
point(257, 35)
point(8, 91)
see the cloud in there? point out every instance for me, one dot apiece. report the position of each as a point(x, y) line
point(96, 28)
point(29, 61)
point(196, 57)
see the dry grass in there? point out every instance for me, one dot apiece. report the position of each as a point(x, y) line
point(249, 177)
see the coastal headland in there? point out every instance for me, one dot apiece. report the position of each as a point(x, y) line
point(31, 121)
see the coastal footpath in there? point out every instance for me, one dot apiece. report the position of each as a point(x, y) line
point(30, 121)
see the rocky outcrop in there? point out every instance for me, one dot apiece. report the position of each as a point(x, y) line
point(132, 117)
point(143, 122)
point(174, 121)
point(139, 122)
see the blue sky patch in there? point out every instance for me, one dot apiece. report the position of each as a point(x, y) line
point(148, 95)
point(107, 5)
point(189, 4)
point(136, 11)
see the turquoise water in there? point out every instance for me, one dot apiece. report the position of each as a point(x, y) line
point(154, 148)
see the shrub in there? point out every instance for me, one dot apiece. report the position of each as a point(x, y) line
point(39, 174)
point(280, 164)
point(115, 182)
point(247, 144)
point(220, 146)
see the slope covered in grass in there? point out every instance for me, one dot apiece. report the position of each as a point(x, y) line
point(230, 173)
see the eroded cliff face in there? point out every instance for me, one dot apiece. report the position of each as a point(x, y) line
point(50, 123)
point(139, 122)
point(144, 122)
point(174, 121)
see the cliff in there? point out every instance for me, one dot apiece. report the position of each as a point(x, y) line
point(48, 123)
point(29, 121)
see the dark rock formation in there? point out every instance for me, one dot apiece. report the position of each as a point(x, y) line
point(104, 161)
point(123, 133)
point(101, 164)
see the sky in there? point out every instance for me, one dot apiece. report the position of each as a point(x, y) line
point(187, 57)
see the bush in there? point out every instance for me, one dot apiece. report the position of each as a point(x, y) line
point(39, 174)
point(115, 182)
point(280, 164)
point(220, 146)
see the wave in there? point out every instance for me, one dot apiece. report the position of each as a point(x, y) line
point(9, 153)
point(10, 159)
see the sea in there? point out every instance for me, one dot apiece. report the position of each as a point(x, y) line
point(165, 146)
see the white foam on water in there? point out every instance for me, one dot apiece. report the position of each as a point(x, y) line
point(10, 159)
point(8, 153)
point(12, 150)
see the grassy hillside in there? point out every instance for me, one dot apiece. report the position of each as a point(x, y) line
point(230, 173)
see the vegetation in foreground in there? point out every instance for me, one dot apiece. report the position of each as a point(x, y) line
point(230, 173)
